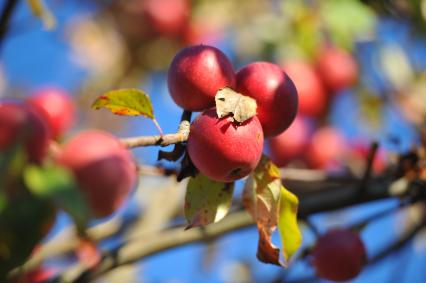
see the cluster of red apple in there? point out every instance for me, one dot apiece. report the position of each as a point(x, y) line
point(103, 168)
point(219, 147)
point(317, 84)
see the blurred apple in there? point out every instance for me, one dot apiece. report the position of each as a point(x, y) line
point(22, 123)
point(337, 68)
point(292, 143)
point(167, 17)
point(57, 106)
point(327, 149)
point(312, 96)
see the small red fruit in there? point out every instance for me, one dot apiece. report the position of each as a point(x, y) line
point(339, 255)
point(103, 167)
point(20, 122)
point(168, 17)
point(327, 149)
point(58, 108)
point(312, 97)
point(223, 150)
point(197, 72)
point(274, 92)
point(337, 68)
point(292, 143)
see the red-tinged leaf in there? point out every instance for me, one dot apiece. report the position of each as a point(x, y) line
point(271, 205)
point(266, 251)
point(88, 253)
point(206, 201)
point(127, 102)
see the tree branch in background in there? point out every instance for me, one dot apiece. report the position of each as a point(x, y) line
point(5, 17)
point(143, 247)
point(319, 194)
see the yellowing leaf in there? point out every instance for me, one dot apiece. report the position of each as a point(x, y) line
point(40, 10)
point(271, 205)
point(228, 102)
point(291, 237)
point(206, 201)
point(127, 102)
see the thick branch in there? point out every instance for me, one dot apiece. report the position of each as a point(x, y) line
point(319, 194)
point(156, 243)
point(180, 136)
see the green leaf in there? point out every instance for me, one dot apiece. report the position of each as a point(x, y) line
point(291, 237)
point(271, 205)
point(24, 221)
point(346, 20)
point(206, 201)
point(40, 10)
point(12, 163)
point(127, 102)
point(58, 184)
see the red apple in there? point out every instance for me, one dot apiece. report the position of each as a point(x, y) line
point(197, 72)
point(339, 255)
point(292, 143)
point(327, 149)
point(21, 123)
point(274, 92)
point(58, 108)
point(337, 68)
point(103, 167)
point(223, 150)
point(312, 97)
point(168, 17)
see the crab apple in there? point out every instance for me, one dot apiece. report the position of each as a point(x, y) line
point(223, 150)
point(274, 92)
point(103, 167)
point(326, 149)
point(312, 96)
point(339, 255)
point(292, 143)
point(58, 108)
point(21, 122)
point(337, 68)
point(195, 75)
point(168, 17)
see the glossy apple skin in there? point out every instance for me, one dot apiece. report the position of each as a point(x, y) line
point(326, 149)
point(103, 167)
point(292, 143)
point(167, 17)
point(58, 107)
point(20, 122)
point(312, 96)
point(339, 255)
point(274, 92)
point(196, 74)
point(223, 150)
point(337, 68)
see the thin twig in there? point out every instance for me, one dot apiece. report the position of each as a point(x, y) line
point(5, 17)
point(369, 166)
point(163, 140)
